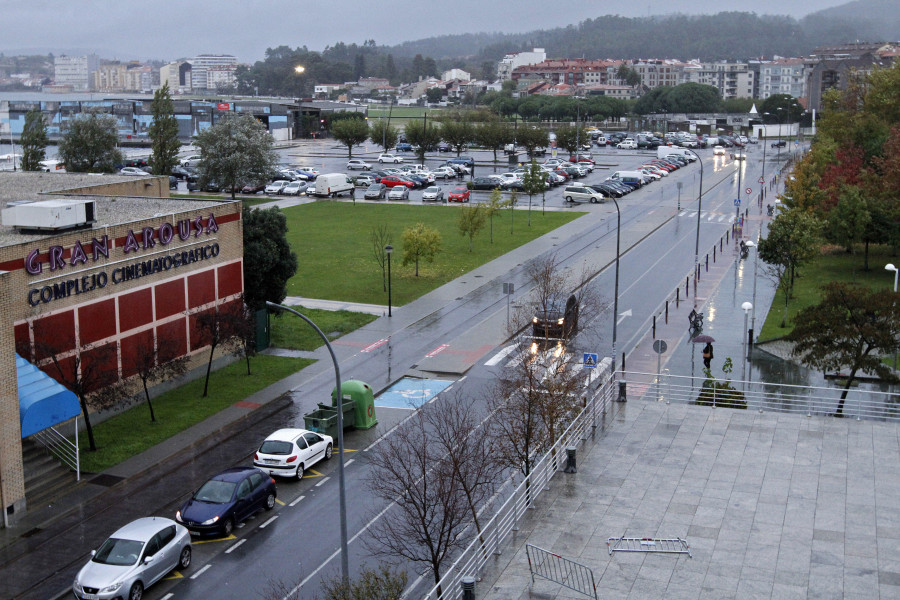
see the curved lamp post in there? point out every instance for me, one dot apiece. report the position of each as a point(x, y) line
point(345, 561)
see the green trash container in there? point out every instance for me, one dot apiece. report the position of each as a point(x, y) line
point(362, 396)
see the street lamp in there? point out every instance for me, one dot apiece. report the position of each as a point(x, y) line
point(616, 292)
point(765, 143)
point(750, 244)
point(747, 306)
point(699, 203)
point(345, 561)
point(891, 267)
point(389, 249)
point(780, 119)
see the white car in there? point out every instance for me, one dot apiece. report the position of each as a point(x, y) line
point(133, 171)
point(718, 150)
point(295, 188)
point(390, 158)
point(581, 193)
point(191, 161)
point(288, 452)
point(650, 174)
point(276, 187)
point(508, 178)
point(355, 163)
point(627, 144)
point(133, 558)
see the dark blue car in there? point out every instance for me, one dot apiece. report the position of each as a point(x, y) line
point(404, 147)
point(227, 499)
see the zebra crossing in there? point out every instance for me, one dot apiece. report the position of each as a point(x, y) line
point(709, 216)
point(552, 360)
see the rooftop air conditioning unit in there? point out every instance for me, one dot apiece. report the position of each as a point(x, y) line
point(50, 215)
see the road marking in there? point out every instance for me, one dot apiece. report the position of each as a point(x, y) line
point(495, 360)
point(222, 539)
point(201, 572)
point(348, 462)
point(279, 501)
point(437, 350)
point(235, 546)
point(263, 526)
point(313, 476)
point(167, 596)
point(375, 345)
point(297, 501)
point(323, 481)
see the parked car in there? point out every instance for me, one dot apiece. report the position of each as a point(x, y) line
point(459, 193)
point(486, 183)
point(173, 182)
point(403, 147)
point(390, 158)
point(398, 192)
point(779, 144)
point(288, 452)
point(444, 147)
point(395, 180)
point(132, 559)
point(582, 193)
point(627, 144)
point(306, 174)
point(444, 173)
point(276, 186)
point(295, 188)
point(227, 499)
point(182, 172)
point(556, 317)
point(364, 180)
point(253, 188)
point(191, 161)
point(133, 171)
point(355, 163)
point(376, 191)
point(434, 193)
point(467, 161)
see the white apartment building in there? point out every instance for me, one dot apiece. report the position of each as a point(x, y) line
point(456, 74)
point(733, 80)
point(77, 71)
point(659, 72)
point(223, 65)
point(520, 59)
point(783, 76)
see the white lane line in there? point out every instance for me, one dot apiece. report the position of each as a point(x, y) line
point(297, 501)
point(323, 481)
point(494, 360)
point(235, 546)
point(348, 462)
point(263, 526)
point(201, 572)
point(167, 596)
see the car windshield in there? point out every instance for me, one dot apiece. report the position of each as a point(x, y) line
point(460, 189)
point(276, 447)
point(118, 552)
point(216, 491)
point(432, 190)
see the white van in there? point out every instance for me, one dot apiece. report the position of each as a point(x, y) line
point(332, 184)
point(664, 151)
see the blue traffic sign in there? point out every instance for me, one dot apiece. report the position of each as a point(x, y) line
point(590, 360)
point(737, 201)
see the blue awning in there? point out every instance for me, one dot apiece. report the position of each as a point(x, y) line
point(43, 402)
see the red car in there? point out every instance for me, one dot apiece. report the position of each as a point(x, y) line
point(563, 174)
point(459, 194)
point(392, 180)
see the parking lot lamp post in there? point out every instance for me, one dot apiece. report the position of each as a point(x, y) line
point(751, 244)
point(616, 292)
point(345, 561)
point(389, 249)
point(299, 70)
point(891, 267)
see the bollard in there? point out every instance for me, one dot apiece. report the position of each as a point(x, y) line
point(570, 460)
point(622, 391)
point(714, 254)
point(707, 263)
point(720, 244)
point(467, 584)
point(687, 283)
point(654, 327)
point(667, 310)
point(677, 298)
point(726, 237)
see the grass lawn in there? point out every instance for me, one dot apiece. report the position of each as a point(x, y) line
point(333, 241)
point(291, 332)
point(833, 265)
point(130, 433)
point(400, 112)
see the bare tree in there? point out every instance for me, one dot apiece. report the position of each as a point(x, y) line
point(221, 326)
point(430, 511)
point(381, 584)
point(149, 365)
point(381, 237)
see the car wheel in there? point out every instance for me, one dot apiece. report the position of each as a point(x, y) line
point(568, 198)
point(184, 561)
point(228, 526)
point(328, 452)
point(299, 473)
point(593, 201)
point(380, 161)
point(136, 592)
point(270, 501)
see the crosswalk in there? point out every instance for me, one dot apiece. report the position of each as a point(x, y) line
point(550, 361)
point(709, 216)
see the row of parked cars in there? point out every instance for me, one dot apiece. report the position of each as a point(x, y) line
point(142, 552)
point(621, 183)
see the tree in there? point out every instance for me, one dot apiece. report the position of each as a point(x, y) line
point(852, 327)
point(420, 242)
point(494, 206)
point(628, 76)
point(269, 261)
point(235, 151)
point(149, 364)
point(570, 137)
point(425, 136)
point(847, 222)
point(34, 140)
point(350, 132)
point(224, 325)
point(458, 134)
point(383, 584)
point(531, 138)
point(381, 237)
point(434, 95)
point(163, 132)
point(382, 132)
point(471, 221)
point(89, 144)
point(533, 183)
point(494, 135)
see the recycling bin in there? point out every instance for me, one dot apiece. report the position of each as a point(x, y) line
point(361, 395)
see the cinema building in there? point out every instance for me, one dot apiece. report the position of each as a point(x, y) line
point(93, 270)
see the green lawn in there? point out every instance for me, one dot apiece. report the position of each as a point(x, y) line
point(333, 242)
point(291, 332)
point(401, 112)
point(131, 432)
point(831, 266)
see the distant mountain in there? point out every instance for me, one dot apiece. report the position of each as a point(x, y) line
point(874, 20)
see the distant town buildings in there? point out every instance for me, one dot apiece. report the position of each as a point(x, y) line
point(212, 71)
point(75, 71)
point(510, 62)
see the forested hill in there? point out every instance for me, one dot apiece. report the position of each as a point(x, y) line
point(726, 35)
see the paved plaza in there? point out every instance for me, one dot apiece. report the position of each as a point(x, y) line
point(772, 505)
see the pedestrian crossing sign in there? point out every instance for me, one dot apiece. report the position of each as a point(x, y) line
point(590, 360)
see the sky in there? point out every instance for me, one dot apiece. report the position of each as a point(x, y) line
point(168, 29)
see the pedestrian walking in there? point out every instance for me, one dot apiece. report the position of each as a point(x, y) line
point(707, 354)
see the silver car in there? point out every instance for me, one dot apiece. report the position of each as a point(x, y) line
point(399, 192)
point(134, 558)
point(434, 193)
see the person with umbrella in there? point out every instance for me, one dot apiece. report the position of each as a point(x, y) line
point(707, 354)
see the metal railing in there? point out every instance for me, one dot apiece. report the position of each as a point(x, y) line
point(761, 396)
point(563, 571)
point(59, 446)
point(494, 533)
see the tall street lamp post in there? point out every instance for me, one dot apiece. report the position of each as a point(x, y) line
point(699, 204)
point(765, 143)
point(891, 267)
point(780, 120)
point(751, 244)
point(747, 307)
point(616, 292)
point(345, 561)
point(389, 249)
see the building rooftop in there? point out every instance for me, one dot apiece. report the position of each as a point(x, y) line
point(111, 210)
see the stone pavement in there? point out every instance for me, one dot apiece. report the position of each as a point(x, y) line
point(772, 505)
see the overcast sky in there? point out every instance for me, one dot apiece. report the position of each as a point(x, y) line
point(168, 29)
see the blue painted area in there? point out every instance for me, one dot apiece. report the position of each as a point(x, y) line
point(411, 393)
point(43, 402)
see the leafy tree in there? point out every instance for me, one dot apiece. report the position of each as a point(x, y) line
point(848, 221)
point(569, 137)
point(89, 144)
point(628, 75)
point(533, 183)
point(494, 135)
point(269, 261)
point(434, 95)
point(350, 132)
point(382, 132)
point(532, 138)
point(236, 151)
point(790, 109)
point(471, 221)
point(163, 132)
point(852, 327)
point(34, 140)
point(458, 134)
point(420, 242)
point(426, 136)
point(494, 206)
